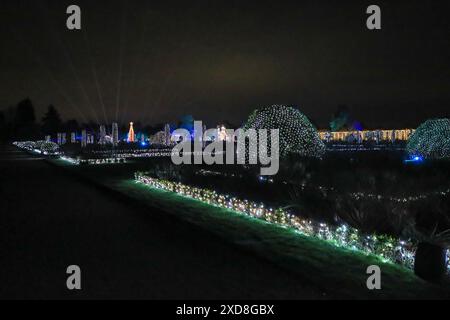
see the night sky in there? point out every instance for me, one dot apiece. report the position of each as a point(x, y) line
point(151, 63)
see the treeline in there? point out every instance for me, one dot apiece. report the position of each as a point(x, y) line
point(20, 122)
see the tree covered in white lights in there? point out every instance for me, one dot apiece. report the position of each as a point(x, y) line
point(297, 134)
point(431, 140)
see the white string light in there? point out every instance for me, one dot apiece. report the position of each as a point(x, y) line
point(387, 248)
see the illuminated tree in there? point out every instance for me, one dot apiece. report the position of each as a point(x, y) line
point(297, 134)
point(431, 140)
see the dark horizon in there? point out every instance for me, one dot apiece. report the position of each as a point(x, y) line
point(154, 63)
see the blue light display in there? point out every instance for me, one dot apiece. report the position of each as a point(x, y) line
point(414, 159)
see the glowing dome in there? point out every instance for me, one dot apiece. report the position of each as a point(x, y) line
point(297, 134)
point(431, 140)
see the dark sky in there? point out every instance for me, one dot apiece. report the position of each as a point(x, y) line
point(219, 60)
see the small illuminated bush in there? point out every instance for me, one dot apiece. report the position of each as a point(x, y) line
point(431, 140)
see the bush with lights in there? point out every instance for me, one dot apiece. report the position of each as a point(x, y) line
point(431, 140)
point(297, 134)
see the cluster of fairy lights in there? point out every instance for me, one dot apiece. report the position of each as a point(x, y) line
point(210, 173)
point(351, 147)
point(387, 248)
point(354, 195)
point(92, 161)
point(51, 148)
point(42, 147)
point(143, 153)
point(373, 196)
point(297, 134)
point(361, 195)
point(26, 145)
point(134, 152)
point(431, 140)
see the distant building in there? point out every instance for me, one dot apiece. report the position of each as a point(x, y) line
point(73, 137)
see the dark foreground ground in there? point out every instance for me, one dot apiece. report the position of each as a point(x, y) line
point(49, 221)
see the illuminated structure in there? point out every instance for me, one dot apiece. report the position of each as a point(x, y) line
point(158, 139)
point(61, 139)
point(222, 134)
point(108, 140)
point(367, 135)
point(102, 139)
point(83, 138)
point(162, 138)
point(131, 136)
point(203, 137)
point(115, 134)
point(167, 135)
point(73, 137)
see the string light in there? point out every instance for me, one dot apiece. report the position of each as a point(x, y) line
point(386, 247)
point(93, 161)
